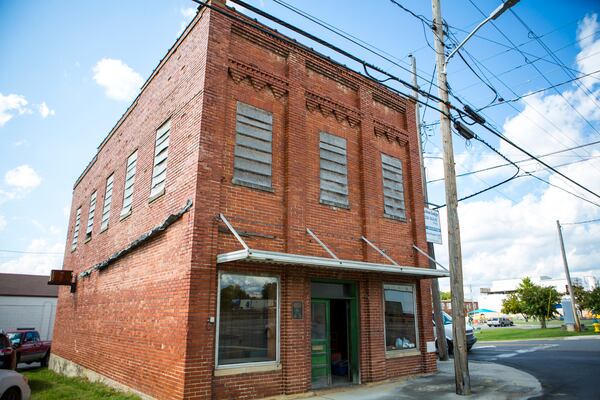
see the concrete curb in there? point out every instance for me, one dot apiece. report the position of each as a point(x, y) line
point(484, 342)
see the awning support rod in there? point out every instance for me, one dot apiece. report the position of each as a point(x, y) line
point(321, 243)
point(379, 250)
point(427, 255)
point(232, 230)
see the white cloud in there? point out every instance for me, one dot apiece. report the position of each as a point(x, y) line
point(22, 177)
point(11, 105)
point(3, 222)
point(45, 255)
point(44, 110)
point(188, 14)
point(589, 57)
point(120, 81)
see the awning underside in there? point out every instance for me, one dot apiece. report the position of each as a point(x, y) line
point(272, 257)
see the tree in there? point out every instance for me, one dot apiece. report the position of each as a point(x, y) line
point(534, 301)
point(581, 296)
point(593, 300)
point(512, 305)
point(445, 296)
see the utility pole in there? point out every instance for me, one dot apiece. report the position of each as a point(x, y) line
point(461, 365)
point(435, 286)
point(568, 276)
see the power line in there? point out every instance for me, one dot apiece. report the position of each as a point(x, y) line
point(29, 252)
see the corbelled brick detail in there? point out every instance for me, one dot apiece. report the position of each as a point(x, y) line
point(145, 321)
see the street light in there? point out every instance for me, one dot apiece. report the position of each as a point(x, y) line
point(461, 366)
point(495, 14)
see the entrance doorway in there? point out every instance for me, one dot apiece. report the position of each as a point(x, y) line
point(334, 334)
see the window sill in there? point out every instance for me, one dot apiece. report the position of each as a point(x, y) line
point(125, 215)
point(395, 218)
point(156, 196)
point(102, 230)
point(402, 353)
point(252, 185)
point(87, 239)
point(225, 371)
point(334, 205)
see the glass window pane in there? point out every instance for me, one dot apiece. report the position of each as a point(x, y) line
point(319, 321)
point(247, 319)
point(400, 328)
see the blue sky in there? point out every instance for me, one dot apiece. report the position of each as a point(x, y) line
point(70, 69)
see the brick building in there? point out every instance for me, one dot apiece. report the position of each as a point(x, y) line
point(217, 235)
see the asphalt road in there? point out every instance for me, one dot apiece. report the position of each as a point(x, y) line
point(567, 369)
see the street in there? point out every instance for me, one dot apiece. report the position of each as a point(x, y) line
point(565, 368)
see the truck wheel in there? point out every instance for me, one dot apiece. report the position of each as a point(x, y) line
point(46, 359)
point(13, 393)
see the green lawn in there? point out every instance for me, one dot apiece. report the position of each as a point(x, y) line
point(47, 385)
point(520, 333)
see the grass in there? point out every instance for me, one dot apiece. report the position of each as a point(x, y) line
point(520, 333)
point(48, 385)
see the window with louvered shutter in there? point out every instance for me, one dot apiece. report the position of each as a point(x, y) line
point(107, 203)
point(253, 157)
point(90, 223)
point(161, 152)
point(333, 171)
point(393, 187)
point(76, 229)
point(129, 181)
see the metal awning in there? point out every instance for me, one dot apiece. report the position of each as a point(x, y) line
point(272, 257)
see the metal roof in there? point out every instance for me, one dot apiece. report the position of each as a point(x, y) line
point(26, 285)
point(272, 257)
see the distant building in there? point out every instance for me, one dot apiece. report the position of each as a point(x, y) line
point(492, 297)
point(470, 305)
point(27, 301)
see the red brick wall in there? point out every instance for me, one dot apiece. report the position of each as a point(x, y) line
point(158, 300)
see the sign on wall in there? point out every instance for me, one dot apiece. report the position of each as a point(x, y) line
point(433, 228)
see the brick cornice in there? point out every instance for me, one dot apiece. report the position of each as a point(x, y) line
point(258, 78)
point(328, 107)
point(389, 132)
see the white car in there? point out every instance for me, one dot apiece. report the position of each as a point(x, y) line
point(13, 386)
point(471, 339)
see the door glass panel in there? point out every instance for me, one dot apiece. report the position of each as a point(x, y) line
point(319, 321)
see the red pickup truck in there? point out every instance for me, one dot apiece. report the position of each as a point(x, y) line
point(29, 347)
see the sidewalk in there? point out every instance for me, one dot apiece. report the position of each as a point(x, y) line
point(488, 381)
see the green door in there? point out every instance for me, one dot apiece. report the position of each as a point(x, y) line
point(321, 357)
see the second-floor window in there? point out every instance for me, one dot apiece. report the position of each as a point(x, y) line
point(161, 152)
point(90, 223)
point(333, 170)
point(253, 157)
point(129, 181)
point(76, 229)
point(393, 188)
point(107, 203)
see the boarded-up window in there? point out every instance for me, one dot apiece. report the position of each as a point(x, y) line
point(90, 223)
point(253, 157)
point(76, 229)
point(129, 181)
point(107, 203)
point(334, 170)
point(393, 187)
point(161, 151)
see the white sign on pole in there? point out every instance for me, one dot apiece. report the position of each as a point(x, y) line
point(433, 228)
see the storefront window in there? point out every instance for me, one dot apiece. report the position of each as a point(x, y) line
point(248, 319)
point(400, 321)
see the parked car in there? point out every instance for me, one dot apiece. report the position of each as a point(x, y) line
point(8, 356)
point(499, 321)
point(29, 347)
point(471, 339)
point(13, 386)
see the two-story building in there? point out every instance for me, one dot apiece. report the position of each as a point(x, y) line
point(246, 229)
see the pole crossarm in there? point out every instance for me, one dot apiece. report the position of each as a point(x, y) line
point(323, 245)
point(232, 230)
point(390, 259)
point(429, 257)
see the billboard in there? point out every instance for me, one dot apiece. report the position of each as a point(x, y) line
point(433, 228)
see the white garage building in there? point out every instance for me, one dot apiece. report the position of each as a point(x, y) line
point(27, 301)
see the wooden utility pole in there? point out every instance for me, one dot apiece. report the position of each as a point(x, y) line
point(461, 365)
point(435, 286)
point(568, 276)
